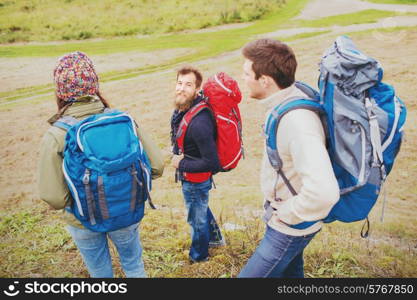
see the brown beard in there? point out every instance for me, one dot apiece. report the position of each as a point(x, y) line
point(184, 105)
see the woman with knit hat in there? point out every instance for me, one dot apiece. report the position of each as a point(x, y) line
point(78, 96)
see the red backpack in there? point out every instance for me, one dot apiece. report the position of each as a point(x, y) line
point(223, 96)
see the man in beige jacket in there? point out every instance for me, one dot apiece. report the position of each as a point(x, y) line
point(269, 72)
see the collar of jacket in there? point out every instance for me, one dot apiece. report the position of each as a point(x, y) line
point(200, 97)
point(278, 97)
point(82, 107)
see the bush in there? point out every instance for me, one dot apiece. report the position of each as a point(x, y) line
point(83, 35)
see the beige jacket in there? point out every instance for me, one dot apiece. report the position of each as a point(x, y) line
point(301, 144)
point(51, 183)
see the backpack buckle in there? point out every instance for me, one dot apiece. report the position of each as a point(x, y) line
point(263, 133)
point(86, 177)
point(134, 173)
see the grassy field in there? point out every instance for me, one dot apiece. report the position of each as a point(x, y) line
point(33, 239)
point(201, 46)
point(50, 20)
point(46, 250)
point(225, 39)
point(197, 43)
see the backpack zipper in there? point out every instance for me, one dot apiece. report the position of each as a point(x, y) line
point(229, 121)
point(238, 135)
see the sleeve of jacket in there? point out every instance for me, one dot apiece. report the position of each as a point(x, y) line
point(50, 178)
point(319, 188)
point(202, 131)
point(153, 152)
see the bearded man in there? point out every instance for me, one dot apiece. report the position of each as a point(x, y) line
point(196, 163)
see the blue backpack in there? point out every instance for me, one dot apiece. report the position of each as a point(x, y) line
point(107, 170)
point(363, 120)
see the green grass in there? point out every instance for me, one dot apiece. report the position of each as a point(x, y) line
point(26, 92)
point(51, 20)
point(361, 17)
point(43, 244)
point(304, 35)
point(46, 249)
point(117, 75)
point(208, 41)
point(206, 44)
point(34, 243)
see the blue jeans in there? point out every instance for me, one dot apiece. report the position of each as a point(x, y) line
point(94, 249)
point(204, 228)
point(278, 255)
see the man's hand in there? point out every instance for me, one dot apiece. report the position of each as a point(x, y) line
point(175, 162)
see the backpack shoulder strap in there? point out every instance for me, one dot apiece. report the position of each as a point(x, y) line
point(271, 128)
point(65, 122)
point(273, 120)
point(195, 111)
point(186, 120)
point(111, 110)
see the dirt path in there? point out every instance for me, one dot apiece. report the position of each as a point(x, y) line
point(392, 22)
point(324, 8)
point(236, 201)
point(147, 98)
point(28, 71)
point(25, 72)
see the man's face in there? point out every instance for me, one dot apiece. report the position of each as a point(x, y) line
point(254, 85)
point(185, 91)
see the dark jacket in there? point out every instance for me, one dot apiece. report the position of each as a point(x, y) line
point(200, 151)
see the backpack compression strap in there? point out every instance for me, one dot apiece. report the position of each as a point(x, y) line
point(271, 128)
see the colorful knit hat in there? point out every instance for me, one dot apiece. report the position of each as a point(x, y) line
point(75, 76)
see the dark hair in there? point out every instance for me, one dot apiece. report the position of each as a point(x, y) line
point(187, 70)
point(63, 105)
point(272, 58)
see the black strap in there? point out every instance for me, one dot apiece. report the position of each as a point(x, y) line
point(177, 175)
point(149, 199)
point(142, 166)
point(90, 197)
point(212, 181)
point(287, 182)
point(269, 210)
point(135, 183)
point(102, 199)
point(368, 226)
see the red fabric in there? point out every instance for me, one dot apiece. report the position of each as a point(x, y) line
point(196, 177)
point(191, 177)
point(224, 104)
